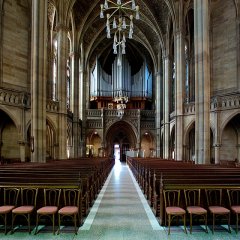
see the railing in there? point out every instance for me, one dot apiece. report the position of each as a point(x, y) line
point(15, 98)
point(95, 113)
point(52, 106)
point(189, 108)
point(225, 102)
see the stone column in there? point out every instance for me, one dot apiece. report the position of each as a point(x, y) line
point(62, 39)
point(166, 127)
point(75, 104)
point(202, 78)
point(82, 113)
point(158, 107)
point(217, 148)
point(38, 77)
point(217, 143)
point(22, 136)
point(179, 93)
point(50, 75)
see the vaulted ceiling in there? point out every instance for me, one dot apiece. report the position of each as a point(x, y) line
point(149, 31)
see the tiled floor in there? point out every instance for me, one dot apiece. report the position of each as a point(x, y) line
point(121, 213)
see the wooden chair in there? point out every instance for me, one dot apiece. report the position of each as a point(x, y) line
point(172, 207)
point(50, 208)
point(28, 204)
point(71, 208)
point(193, 206)
point(234, 202)
point(214, 201)
point(10, 202)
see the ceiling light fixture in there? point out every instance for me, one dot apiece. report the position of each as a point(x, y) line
point(120, 17)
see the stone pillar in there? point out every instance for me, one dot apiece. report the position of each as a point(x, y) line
point(22, 147)
point(22, 137)
point(82, 113)
point(202, 78)
point(217, 148)
point(166, 124)
point(158, 107)
point(38, 77)
point(217, 143)
point(75, 104)
point(50, 75)
point(62, 39)
point(179, 94)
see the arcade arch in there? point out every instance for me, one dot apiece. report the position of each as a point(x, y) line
point(120, 133)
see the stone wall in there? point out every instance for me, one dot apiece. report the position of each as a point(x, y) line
point(16, 35)
point(228, 149)
point(224, 47)
point(10, 146)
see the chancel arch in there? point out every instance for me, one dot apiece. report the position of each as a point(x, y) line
point(121, 133)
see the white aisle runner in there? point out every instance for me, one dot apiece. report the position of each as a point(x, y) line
point(120, 211)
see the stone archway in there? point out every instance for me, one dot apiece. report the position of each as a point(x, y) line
point(120, 133)
point(9, 145)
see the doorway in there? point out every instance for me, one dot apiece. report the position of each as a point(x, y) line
point(120, 137)
point(117, 153)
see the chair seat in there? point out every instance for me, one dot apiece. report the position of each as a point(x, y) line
point(218, 210)
point(23, 209)
point(175, 210)
point(47, 210)
point(6, 209)
point(235, 209)
point(196, 210)
point(68, 210)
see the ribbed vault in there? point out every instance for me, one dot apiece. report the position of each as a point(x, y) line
point(148, 37)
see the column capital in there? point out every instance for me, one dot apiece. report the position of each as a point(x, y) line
point(62, 27)
point(166, 57)
point(179, 32)
point(74, 54)
point(157, 74)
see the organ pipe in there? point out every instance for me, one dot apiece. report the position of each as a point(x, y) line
point(120, 82)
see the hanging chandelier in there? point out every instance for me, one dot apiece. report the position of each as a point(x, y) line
point(119, 22)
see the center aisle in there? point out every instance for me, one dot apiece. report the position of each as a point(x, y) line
point(121, 211)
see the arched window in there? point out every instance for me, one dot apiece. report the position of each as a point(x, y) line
point(189, 58)
point(54, 89)
point(68, 83)
point(187, 97)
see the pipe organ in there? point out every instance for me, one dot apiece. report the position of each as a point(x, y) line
point(105, 87)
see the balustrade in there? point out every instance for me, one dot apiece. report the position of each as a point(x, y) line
point(14, 98)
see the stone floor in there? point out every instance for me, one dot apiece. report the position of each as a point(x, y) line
point(122, 213)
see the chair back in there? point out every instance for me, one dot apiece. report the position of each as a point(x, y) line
point(233, 197)
point(214, 197)
point(52, 196)
point(11, 196)
point(72, 197)
point(29, 196)
point(171, 198)
point(192, 197)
